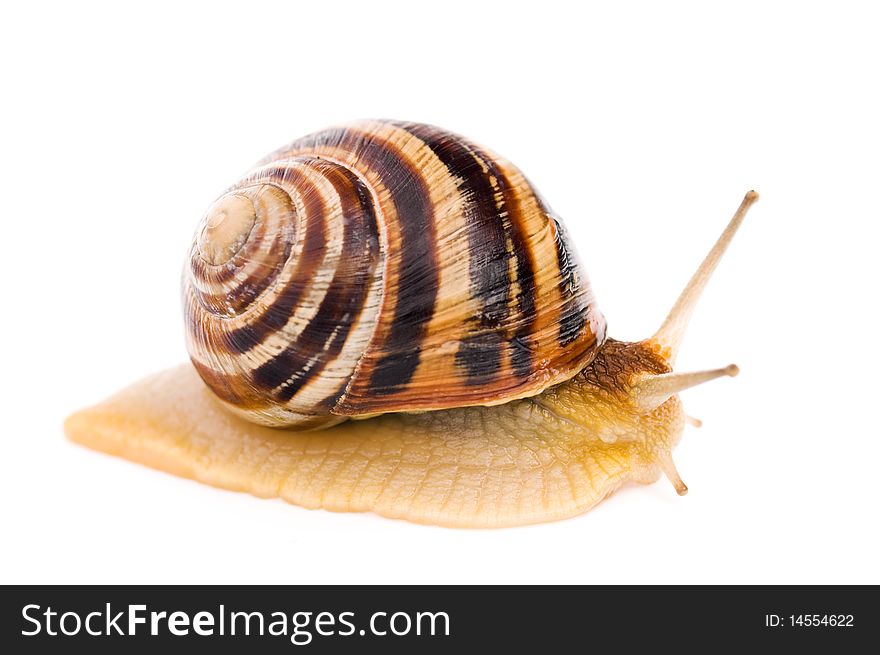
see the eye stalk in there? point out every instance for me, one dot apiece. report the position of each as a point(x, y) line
point(651, 391)
point(671, 333)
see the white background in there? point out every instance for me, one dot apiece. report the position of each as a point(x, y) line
point(642, 124)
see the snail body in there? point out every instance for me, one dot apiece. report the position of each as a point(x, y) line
point(469, 467)
point(398, 274)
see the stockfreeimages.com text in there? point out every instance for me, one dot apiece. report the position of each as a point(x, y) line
point(301, 627)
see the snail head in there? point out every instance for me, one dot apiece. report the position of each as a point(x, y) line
point(629, 391)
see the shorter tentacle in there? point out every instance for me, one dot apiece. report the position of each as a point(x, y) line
point(664, 459)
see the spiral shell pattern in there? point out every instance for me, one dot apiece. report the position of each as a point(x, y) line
point(383, 267)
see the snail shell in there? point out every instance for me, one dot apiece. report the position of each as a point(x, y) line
point(383, 267)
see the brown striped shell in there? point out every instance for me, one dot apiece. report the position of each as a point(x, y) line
point(381, 267)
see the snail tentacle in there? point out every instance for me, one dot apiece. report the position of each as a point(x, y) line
point(651, 391)
point(671, 333)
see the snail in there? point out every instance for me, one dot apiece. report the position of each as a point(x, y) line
point(387, 317)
